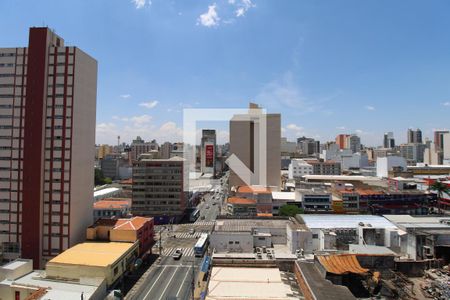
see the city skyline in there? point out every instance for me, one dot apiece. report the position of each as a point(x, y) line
point(158, 57)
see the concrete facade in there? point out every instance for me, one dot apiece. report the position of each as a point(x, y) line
point(244, 143)
point(158, 188)
point(45, 162)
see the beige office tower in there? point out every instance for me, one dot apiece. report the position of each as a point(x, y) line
point(246, 140)
point(47, 130)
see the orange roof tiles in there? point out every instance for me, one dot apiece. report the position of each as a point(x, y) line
point(131, 224)
point(126, 181)
point(236, 200)
point(254, 189)
point(112, 204)
point(341, 264)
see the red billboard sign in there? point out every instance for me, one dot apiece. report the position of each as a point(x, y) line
point(209, 156)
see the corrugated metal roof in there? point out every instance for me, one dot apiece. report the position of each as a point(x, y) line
point(345, 221)
point(341, 264)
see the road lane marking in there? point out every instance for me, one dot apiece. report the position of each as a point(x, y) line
point(155, 282)
point(182, 283)
point(170, 280)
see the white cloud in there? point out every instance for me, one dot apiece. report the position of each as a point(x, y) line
point(341, 127)
point(294, 127)
point(359, 131)
point(106, 133)
point(231, 1)
point(123, 119)
point(369, 107)
point(240, 12)
point(149, 104)
point(446, 103)
point(284, 93)
point(125, 96)
point(141, 3)
point(140, 120)
point(243, 7)
point(209, 18)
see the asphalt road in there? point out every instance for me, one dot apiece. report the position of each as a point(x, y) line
point(171, 279)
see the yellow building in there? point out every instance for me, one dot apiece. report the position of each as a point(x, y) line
point(103, 150)
point(108, 260)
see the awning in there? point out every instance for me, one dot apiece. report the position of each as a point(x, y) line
point(341, 264)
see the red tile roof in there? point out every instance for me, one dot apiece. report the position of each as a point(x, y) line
point(237, 200)
point(254, 189)
point(127, 181)
point(134, 223)
point(112, 204)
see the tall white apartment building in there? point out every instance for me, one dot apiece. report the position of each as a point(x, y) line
point(47, 130)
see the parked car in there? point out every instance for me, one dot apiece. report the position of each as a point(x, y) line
point(177, 254)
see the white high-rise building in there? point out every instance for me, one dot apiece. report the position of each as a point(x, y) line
point(48, 103)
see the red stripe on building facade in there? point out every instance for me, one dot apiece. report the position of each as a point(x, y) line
point(33, 145)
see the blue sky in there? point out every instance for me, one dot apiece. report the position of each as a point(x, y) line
point(328, 67)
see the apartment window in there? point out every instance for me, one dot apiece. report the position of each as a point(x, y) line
point(9, 54)
point(315, 236)
point(116, 270)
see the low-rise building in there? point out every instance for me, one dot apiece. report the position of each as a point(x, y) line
point(243, 235)
point(284, 198)
point(239, 283)
point(130, 230)
point(325, 167)
point(241, 207)
point(112, 208)
point(299, 168)
point(18, 281)
point(426, 238)
point(102, 260)
point(262, 195)
point(336, 232)
point(315, 200)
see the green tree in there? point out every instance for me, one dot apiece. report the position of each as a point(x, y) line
point(440, 188)
point(289, 210)
point(99, 178)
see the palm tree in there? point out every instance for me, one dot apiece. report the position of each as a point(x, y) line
point(440, 188)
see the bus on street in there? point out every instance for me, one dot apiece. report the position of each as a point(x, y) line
point(201, 245)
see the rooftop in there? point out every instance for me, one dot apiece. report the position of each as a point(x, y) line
point(340, 177)
point(256, 189)
point(111, 203)
point(105, 191)
point(370, 250)
point(283, 196)
point(344, 221)
point(341, 264)
point(99, 254)
point(247, 283)
point(241, 225)
point(131, 224)
point(237, 200)
point(55, 290)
